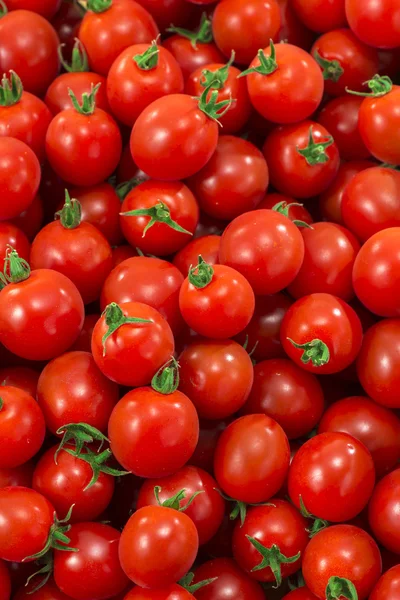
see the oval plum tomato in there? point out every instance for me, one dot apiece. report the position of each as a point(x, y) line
point(48, 592)
point(17, 476)
point(376, 24)
point(301, 593)
point(46, 8)
point(333, 476)
point(5, 582)
point(109, 27)
point(329, 254)
point(345, 552)
point(158, 546)
point(217, 376)
point(10, 235)
point(285, 84)
point(71, 389)
point(159, 217)
point(383, 511)
point(270, 543)
point(171, 592)
point(295, 210)
point(321, 333)
point(83, 143)
point(288, 394)
point(377, 427)
point(25, 521)
point(22, 427)
point(340, 117)
point(320, 15)
point(206, 246)
point(24, 378)
point(233, 181)
point(249, 472)
point(303, 159)
point(245, 26)
point(345, 61)
point(28, 45)
point(141, 74)
point(31, 219)
point(388, 585)
point(252, 244)
point(152, 281)
point(205, 300)
point(19, 177)
point(227, 579)
point(153, 434)
point(206, 510)
point(175, 136)
point(93, 572)
point(57, 97)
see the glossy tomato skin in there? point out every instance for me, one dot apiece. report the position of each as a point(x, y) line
point(289, 171)
point(230, 581)
point(207, 509)
point(252, 244)
point(11, 235)
point(329, 319)
point(57, 98)
point(296, 212)
point(71, 389)
point(189, 138)
point(158, 546)
point(5, 582)
point(342, 551)
point(261, 470)
point(320, 15)
point(189, 57)
point(388, 585)
point(375, 24)
point(383, 513)
point(293, 31)
point(333, 473)
point(46, 8)
point(106, 34)
point(206, 246)
point(153, 434)
point(24, 378)
point(302, 593)
point(217, 376)
point(171, 592)
point(29, 46)
point(121, 253)
point(94, 571)
point(279, 523)
point(233, 181)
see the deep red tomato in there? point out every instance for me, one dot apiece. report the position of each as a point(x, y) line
point(320, 15)
point(31, 219)
point(217, 376)
point(383, 511)
point(233, 181)
point(228, 580)
point(287, 394)
point(66, 23)
point(94, 571)
point(245, 26)
point(28, 45)
point(121, 253)
point(252, 245)
point(303, 159)
point(24, 378)
point(206, 246)
point(193, 50)
point(388, 585)
point(58, 99)
point(71, 389)
point(295, 210)
point(109, 27)
point(171, 592)
point(321, 333)
point(48, 592)
point(84, 340)
point(17, 476)
point(203, 455)
point(5, 582)
point(46, 8)
point(248, 472)
point(342, 551)
point(376, 24)
point(11, 235)
point(302, 593)
point(165, 12)
point(292, 30)
point(158, 546)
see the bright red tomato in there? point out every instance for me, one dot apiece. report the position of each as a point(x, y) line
point(388, 586)
point(320, 15)
point(375, 23)
point(46, 8)
point(206, 246)
point(228, 580)
point(383, 511)
point(57, 97)
point(5, 582)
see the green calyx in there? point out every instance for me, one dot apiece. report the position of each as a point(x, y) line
point(315, 351)
point(201, 275)
point(97, 464)
point(339, 588)
point(1, 404)
point(318, 524)
point(10, 89)
point(159, 213)
point(210, 105)
point(175, 501)
point(283, 208)
point(149, 59)
point(215, 80)
point(99, 6)
point(79, 60)
point(123, 189)
point(114, 319)
point(16, 269)
point(3, 9)
point(70, 214)
point(166, 380)
point(272, 558)
point(88, 105)
point(57, 539)
point(267, 64)
point(251, 352)
point(46, 571)
point(203, 35)
point(379, 86)
point(186, 583)
point(80, 434)
point(315, 152)
point(332, 70)
point(239, 508)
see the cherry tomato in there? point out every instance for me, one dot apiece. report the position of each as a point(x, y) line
point(84, 341)
point(5, 582)
point(17, 476)
point(191, 53)
point(24, 378)
point(171, 592)
point(206, 246)
point(388, 585)
point(292, 30)
point(11, 235)
point(302, 593)
point(320, 15)
point(31, 219)
point(295, 210)
point(376, 24)
point(230, 580)
point(48, 592)
point(57, 96)
point(165, 12)
point(383, 513)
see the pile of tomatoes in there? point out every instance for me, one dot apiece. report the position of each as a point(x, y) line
point(199, 300)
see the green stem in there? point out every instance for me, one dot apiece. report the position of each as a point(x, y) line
point(175, 501)
point(315, 351)
point(16, 269)
point(186, 583)
point(251, 352)
point(70, 214)
point(114, 319)
point(283, 209)
point(79, 60)
point(239, 508)
point(166, 380)
point(315, 152)
point(99, 6)
point(46, 571)
point(339, 587)
point(57, 538)
point(211, 107)
point(272, 558)
point(318, 524)
point(216, 80)
point(379, 86)
point(125, 187)
point(97, 464)
point(201, 275)
point(159, 213)
point(267, 64)
point(10, 89)
point(203, 35)
point(149, 58)
point(88, 101)
point(331, 69)
point(3, 9)
point(1, 404)
point(80, 434)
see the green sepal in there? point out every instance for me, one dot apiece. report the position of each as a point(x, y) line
point(123, 189)
point(16, 269)
point(314, 153)
point(215, 80)
point(149, 58)
point(79, 59)
point(251, 352)
point(3, 9)
point(11, 89)
point(267, 64)
point(166, 380)
point(240, 508)
point(46, 570)
point(71, 213)
point(283, 209)
point(80, 434)
point(159, 213)
point(339, 588)
point(203, 35)
point(97, 463)
point(115, 318)
point(315, 351)
point(318, 524)
point(88, 105)
point(379, 86)
point(201, 275)
point(99, 6)
point(174, 501)
point(211, 107)
point(57, 538)
point(332, 70)
point(272, 558)
point(186, 583)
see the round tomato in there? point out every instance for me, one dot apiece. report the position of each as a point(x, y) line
point(193, 50)
point(206, 246)
point(293, 31)
point(375, 23)
point(288, 206)
point(227, 580)
point(383, 511)
point(301, 593)
point(57, 97)
point(24, 378)
point(320, 15)
point(388, 586)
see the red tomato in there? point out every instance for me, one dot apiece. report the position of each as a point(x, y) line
point(320, 15)
point(375, 23)
point(295, 211)
point(165, 12)
point(17, 476)
point(302, 593)
point(5, 582)
point(171, 592)
point(388, 585)
point(383, 511)
point(206, 246)
point(48, 592)
point(24, 378)
point(228, 579)
point(193, 51)
point(121, 253)
point(292, 30)
point(46, 8)
point(84, 341)
point(30, 220)
point(57, 97)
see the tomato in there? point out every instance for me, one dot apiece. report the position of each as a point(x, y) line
point(303, 159)
point(233, 181)
point(66, 23)
point(171, 592)
point(376, 24)
point(165, 12)
point(321, 333)
point(271, 542)
point(140, 75)
point(121, 253)
point(19, 177)
point(342, 551)
point(207, 509)
point(23, 378)
point(292, 30)
point(295, 211)
point(17, 476)
point(28, 45)
point(287, 394)
point(57, 97)
point(5, 582)
point(320, 15)
point(84, 341)
point(248, 472)
point(285, 84)
point(302, 593)
point(94, 571)
point(203, 455)
point(252, 245)
point(46, 8)
point(230, 580)
point(158, 546)
point(192, 51)
point(383, 511)
point(206, 246)
point(48, 592)
point(245, 26)
point(388, 585)
point(329, 254)
point(31, 219)
point(111, 27)
point(71, 389)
